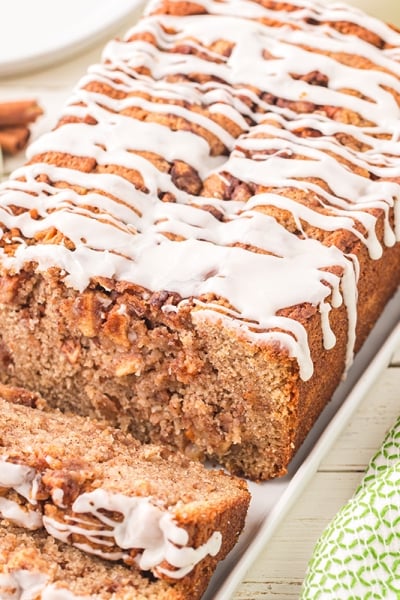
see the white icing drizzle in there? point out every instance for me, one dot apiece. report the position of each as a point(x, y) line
point(21, 478)
point(57, 495)
point(24, 584)
point(143, 526)
point(21, 516)
point(8, 588)
point(21, 584)
point(258, 144)
point(24, 480)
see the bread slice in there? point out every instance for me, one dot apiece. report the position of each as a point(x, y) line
point(102, 491)
point(35, 565)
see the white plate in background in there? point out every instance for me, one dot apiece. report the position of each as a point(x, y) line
point(39, 33)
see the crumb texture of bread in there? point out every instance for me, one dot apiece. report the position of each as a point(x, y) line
point(198, 249)
point(100, 490)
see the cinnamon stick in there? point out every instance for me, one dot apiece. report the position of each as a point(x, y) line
point(20, 112)
point(13, 139)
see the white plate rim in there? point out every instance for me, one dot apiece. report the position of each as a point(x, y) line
point(101, 27)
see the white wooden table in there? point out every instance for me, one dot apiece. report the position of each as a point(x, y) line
point(280, 568)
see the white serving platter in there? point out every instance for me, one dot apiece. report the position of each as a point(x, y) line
point(39, 33)
point(272, 500)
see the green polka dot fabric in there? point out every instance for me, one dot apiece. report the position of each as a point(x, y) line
point(358, 555)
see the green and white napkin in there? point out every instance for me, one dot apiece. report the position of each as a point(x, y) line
point(358, 555)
